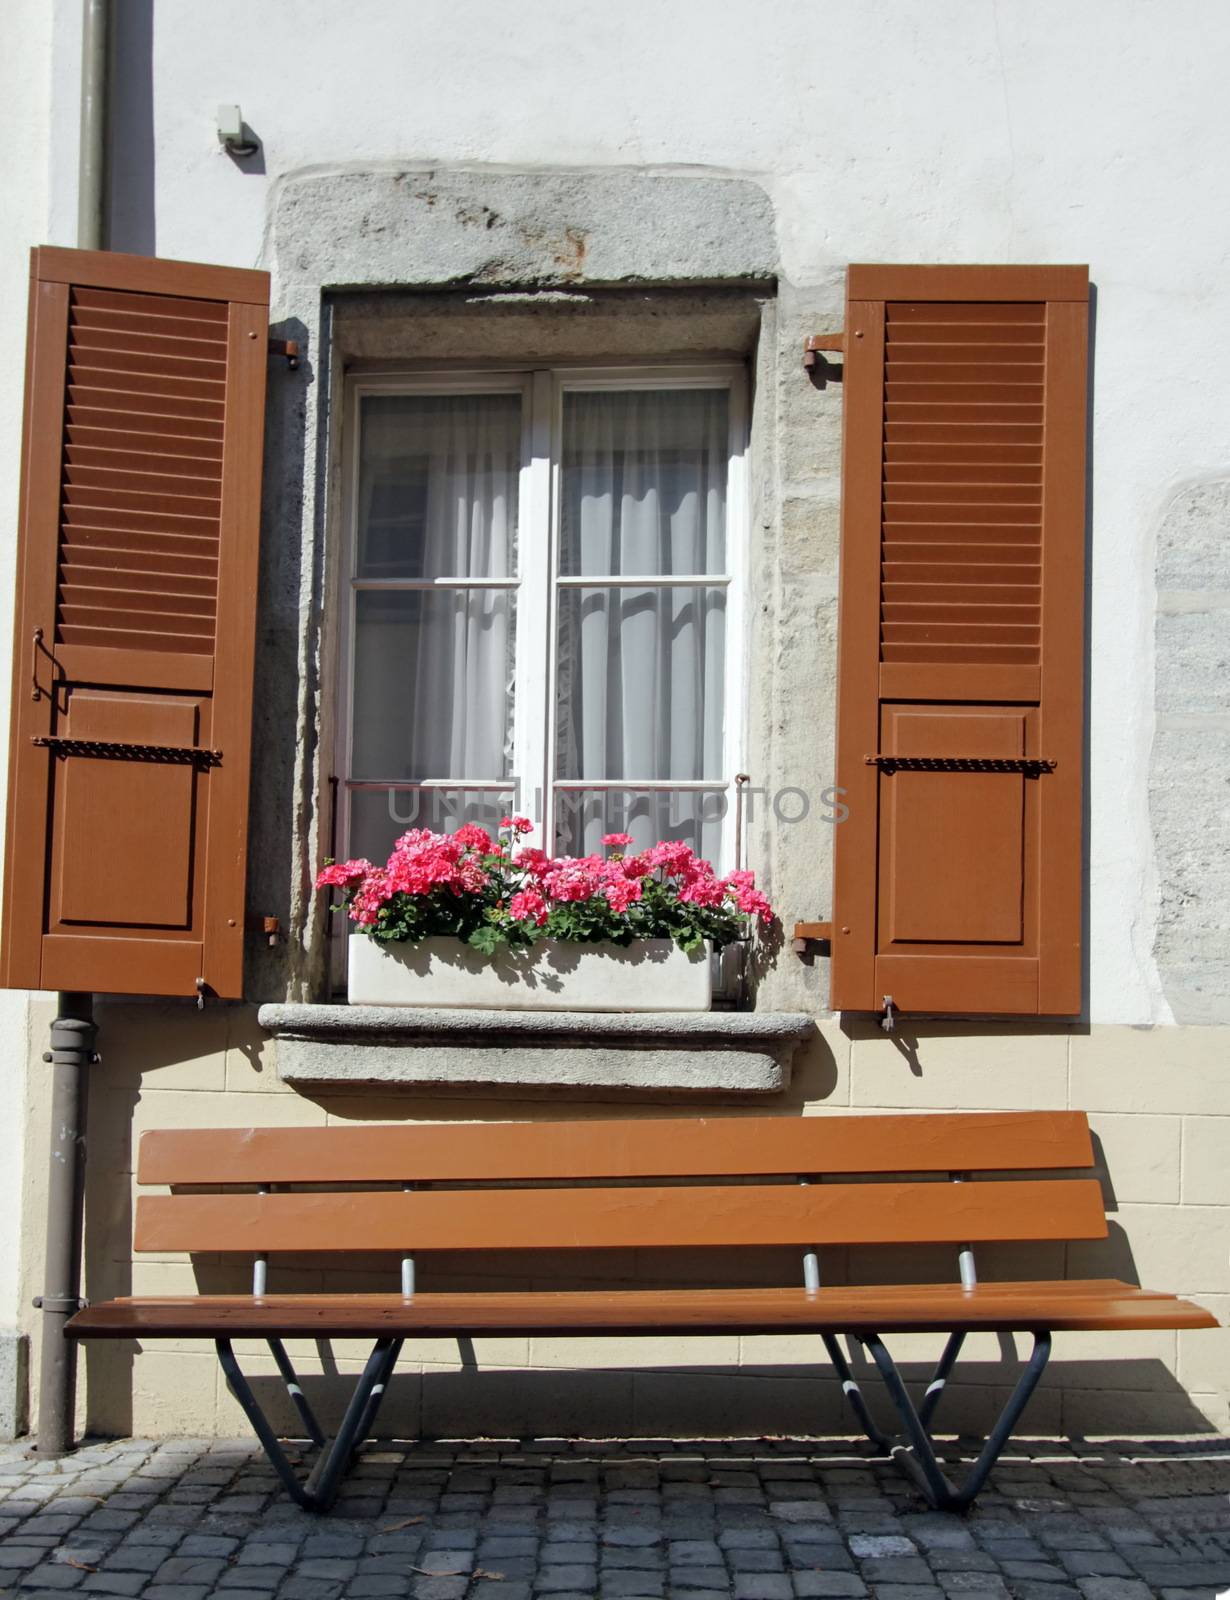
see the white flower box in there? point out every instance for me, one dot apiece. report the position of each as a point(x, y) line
point(648, 975)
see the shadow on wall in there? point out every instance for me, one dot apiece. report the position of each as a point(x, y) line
point(909, 1038)
point(288, 667)
point(798, 1399)
point(131, 219)
point(108, 1366)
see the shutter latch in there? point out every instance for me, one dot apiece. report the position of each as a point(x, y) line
point(889, 1020)
point(288, 348)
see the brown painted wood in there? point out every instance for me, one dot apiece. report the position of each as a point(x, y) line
point(33, 666)
point(977, 283)
point(1060, 885)
point(960, 614)
point(656, 1147)
point(616, 1218)
point(886, 1309)
point(852, 971)
point(238, 565)
point(190, 280)
point(137, 558)
point(717, 1217)
point(941, 681)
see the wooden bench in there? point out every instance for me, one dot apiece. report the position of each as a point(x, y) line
point(661, 1183)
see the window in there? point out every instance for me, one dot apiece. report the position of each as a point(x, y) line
point(543, 608)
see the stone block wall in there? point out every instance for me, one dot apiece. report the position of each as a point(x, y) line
point(1159, 1105)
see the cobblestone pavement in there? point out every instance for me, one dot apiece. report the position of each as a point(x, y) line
point(773, 1519)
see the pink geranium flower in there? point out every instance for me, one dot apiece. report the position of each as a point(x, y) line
point(343, 874)
point(474, 837)
point(487, 891)
point(528, 906)
point(623, 893)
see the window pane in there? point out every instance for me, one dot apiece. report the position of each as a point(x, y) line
point(433, 683)
point(639, 683)
point(583, 816)
point(438, 485)
point(643, 483)
point(379, 817)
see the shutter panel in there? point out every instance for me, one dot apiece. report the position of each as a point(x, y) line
point(134, 635)
point(957, 876)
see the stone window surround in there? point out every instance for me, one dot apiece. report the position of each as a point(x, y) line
point(508, 267)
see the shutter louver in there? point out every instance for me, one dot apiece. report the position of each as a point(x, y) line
point(962, 483)
point(957, 876)
point(134, 640)
point(139, 520)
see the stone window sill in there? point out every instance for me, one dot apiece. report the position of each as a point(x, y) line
point(332, 1048)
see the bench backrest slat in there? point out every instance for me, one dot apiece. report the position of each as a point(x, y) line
point(600, 1218)
point(650, 1148)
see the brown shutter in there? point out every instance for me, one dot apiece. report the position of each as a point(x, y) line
point(136, 598)
point(957, 876)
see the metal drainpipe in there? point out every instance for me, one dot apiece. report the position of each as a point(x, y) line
point(92, 172)
point(71, 1054)
point(73, 1031)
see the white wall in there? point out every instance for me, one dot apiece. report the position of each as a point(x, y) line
point(959, 130)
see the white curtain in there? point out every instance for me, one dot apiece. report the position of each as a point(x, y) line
point(433, 678)
point(640, 668)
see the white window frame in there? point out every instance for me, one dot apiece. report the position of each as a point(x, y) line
point(537, 582)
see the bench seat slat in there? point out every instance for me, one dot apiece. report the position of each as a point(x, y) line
point(999, 1307)
point(655, 1147)
point(730, 1215)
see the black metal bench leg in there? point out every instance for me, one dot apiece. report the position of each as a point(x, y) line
point(1009, 1417)
point(291, 1379)
point(918, 1458)
point(332, 1463)
point(379, 1389)
point(852, 1392)
point(270, 1443)
point(320, 1490)
point(935, 1389)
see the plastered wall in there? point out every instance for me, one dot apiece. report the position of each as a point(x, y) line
point(690, 145)
point(951, 130)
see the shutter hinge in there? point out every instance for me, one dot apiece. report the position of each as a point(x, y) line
point(813, 356)
point(288, 348)
point(806, 933)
